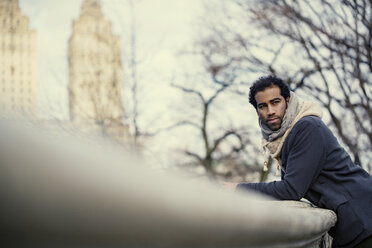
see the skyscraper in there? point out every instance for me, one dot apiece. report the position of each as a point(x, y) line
point(18, 61)
point(95, 72)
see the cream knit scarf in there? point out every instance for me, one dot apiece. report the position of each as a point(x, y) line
point(274, 140)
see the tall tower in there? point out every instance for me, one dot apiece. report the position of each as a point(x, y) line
point(95, 71)
point(18, 61)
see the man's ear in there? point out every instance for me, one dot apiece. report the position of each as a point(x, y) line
point(287, 99)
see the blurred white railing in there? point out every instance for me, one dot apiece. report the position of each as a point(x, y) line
point(59, 190)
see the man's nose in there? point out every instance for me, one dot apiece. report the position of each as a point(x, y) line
point(270, 110)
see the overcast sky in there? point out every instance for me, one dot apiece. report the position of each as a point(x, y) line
point(163, 28)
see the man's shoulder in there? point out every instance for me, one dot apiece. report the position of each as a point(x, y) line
point(307, 128)
point(309, 121)
point(309, 125)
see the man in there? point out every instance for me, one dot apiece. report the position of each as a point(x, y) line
point(312, 163)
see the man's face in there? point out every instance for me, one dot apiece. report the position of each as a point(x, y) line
point(271, 107)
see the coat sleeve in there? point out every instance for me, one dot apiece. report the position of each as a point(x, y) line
point(306, 155)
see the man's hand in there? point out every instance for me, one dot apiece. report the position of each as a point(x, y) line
point(229, 186)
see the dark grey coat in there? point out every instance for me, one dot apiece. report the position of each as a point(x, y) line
point(320, 170)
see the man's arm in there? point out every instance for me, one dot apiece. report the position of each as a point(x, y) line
point(306, 156)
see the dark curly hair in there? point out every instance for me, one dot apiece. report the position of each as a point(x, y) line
point(265, 82)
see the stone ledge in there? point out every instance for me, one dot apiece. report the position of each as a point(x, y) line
point(60, 190)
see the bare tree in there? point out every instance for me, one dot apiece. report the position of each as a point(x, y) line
point(133, 65)
point(222, 145)
point(321, 48)
point(125, 13)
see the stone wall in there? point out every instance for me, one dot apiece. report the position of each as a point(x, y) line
point(60, 190)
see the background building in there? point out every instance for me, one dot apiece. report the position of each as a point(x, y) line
point(18, 62)
point(95, 73)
